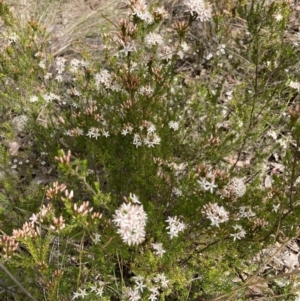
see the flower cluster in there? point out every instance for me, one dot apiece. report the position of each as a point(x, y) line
point(131, 220)
point(206, 185)
point(150, 139)
point(175, 226)
point(237, 187)
point(239, 232)
point(215, 213)
point(199, 9)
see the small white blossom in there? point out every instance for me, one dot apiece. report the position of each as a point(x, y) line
point(137, 140)
point(162, 279)
point(174, 125)
point(134, 198)
point(246, 212)
point(96, 238)
point(278, 17)
point(272, 134)
point(237, 187)
point(48, 75)
point(93, 133)
point(275, 208)
point(33, 98)
point(12, 37)
point(104, 78)
point(153, 39)
point(140, 10)
point(294, 85)
point(139, 281)
point(99, 291)
point(105, 133)
point(82, 293)
point(159, 251)
point(215, 213)
point(177, 191)
point(175, 226)
point(205, 185)
point(240, 232)
point(200, 9)
point(209, 56)
point(131, 294)
point(151, 140)
point(59, 78)
point(42, 64)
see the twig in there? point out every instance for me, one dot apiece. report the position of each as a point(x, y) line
point(20, 286)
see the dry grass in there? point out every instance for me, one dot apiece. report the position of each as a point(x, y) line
point(67, 21)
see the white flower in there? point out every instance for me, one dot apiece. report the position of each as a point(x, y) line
point(237, 187)
point(246, 212)
point(291, 260)
point(175, 226)
point(278, 17)
point(131, 220)
point(75, 295)
point(12, 37)
point(50, 96)
point(200, 9)
point(33, 98)
point(99, 291)
point(240, 232)
point(59, 78)
point(139, 281)
point(207, 185)
point(177, 191)
point(152, 297)
point(105, 133)
point(131, 294)
point(104, 78)
point(141, 12)
point(209, 56)
point(276, 207)
point(158, 249)
point(48, 75)
point(60, 65)
point(294, 85)
point(146, 90)
point(127, 48)
point(166, 53)
point(82, 293)
point(42, 64)
point(174, 125)
point(151, 140)
point(96, 238)
point(215, 213)
point(34, 218)
point(137, 140)
point(134, 198)
point(153, 39)
point(162, 279)
point(151, 128)
point(272, 134)
point(93, 133)
point(185, 47)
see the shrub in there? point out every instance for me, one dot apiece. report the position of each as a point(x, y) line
point(147, 174)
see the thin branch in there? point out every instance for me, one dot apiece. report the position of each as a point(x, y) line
point(20, 286)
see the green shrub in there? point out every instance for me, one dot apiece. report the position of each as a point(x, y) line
point(144, 173)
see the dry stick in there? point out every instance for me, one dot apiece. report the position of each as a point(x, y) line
point(249, 281)
point(21, 287)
